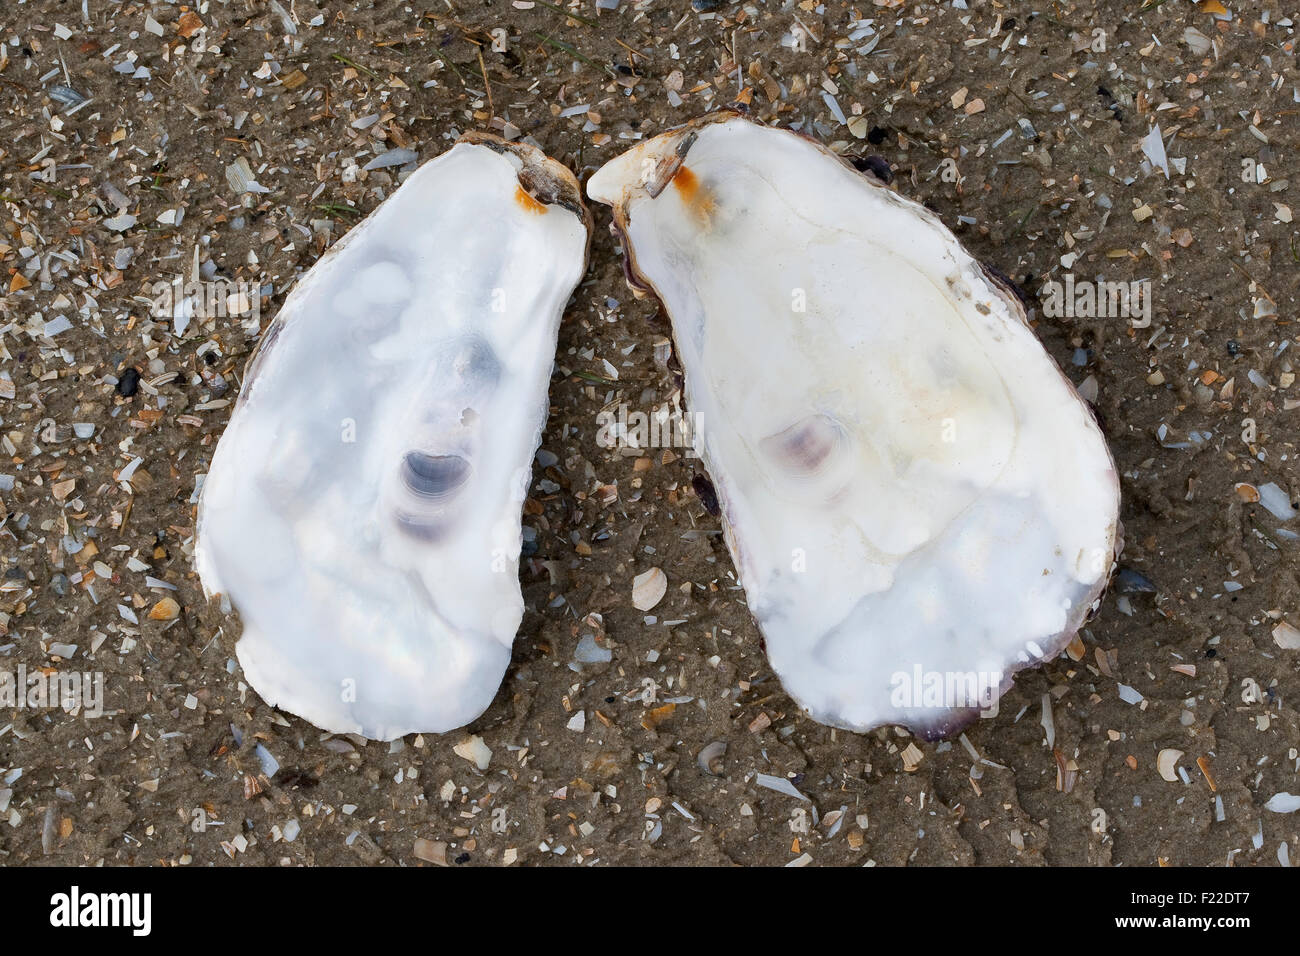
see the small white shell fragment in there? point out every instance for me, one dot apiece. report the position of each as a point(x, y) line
point(589, 652)
point(1286, 636)
point(1276, 501)
point(1198, 41)
point(240, 177)
point(648, 589)
point(392, 157)
point(1167, 763)
point(917, 501)
point(363, 508)
point(833, 821)
point(120, 223)
point(475, 751)
point(270, 766)
point(1283, 802)
point(56, 325)
point(780, 785)
point(1154, 149)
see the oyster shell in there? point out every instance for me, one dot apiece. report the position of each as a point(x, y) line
point(916, 500)
point(362, 510)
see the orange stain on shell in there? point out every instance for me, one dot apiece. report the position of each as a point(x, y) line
point(528, 203)
point(698, 199)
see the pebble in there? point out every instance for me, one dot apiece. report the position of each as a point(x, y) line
point(128, 383)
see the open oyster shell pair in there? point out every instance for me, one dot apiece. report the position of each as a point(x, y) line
point(916, 500)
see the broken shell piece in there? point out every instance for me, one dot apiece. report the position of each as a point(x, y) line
point(1277, 502)
point(165, 610)
point(1283, 802)
point(1167, 764)
point(710, 758)
point(917, 501)
point(648, 589)
point(475, 751)
point(363, 508)
point(1286, 636)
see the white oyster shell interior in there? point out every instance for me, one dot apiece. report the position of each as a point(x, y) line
point(917, 501)
point(362, 510)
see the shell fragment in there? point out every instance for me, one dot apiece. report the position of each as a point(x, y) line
point(648, 589)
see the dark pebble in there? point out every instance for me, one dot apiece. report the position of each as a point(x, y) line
point(876, 135)
point(1233, 348)
point(705, 492)
point(878, 166)
point(128, 382)
point(1131, 582)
